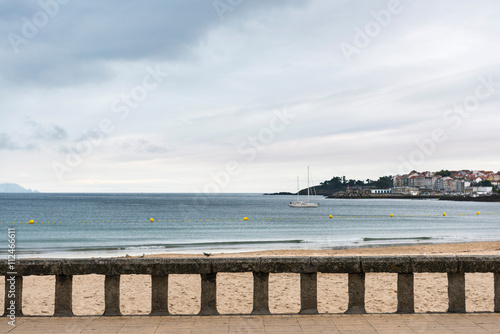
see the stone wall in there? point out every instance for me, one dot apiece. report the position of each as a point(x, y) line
point(261, 267)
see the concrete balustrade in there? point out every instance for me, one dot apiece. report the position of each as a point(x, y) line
point(112, 295)
point(497, 291)
point(406, 299)
point(159, 295)
point(356, 290)
point(308, 293)
point(63, 303)
point(260, 293)
point(208, 294)
point(261, 267)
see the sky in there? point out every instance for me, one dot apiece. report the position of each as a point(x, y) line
point(238, 96)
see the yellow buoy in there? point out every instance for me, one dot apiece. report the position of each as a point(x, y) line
point(392, 215)
point(246, 218)
point(31, 221)
point(151, 220)
point(478, 213)
point(444, 214)
point(330, 216)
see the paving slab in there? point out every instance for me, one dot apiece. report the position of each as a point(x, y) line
point(439, 323)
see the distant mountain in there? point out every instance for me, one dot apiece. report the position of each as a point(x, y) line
point(14, 188)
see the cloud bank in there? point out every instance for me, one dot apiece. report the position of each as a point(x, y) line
point(162, 96)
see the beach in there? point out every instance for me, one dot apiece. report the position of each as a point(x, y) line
point(235, 290)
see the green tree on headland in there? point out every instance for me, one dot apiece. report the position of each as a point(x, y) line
point(444, 173)
point(385, 182)
point(485, 183)
point(337, 183)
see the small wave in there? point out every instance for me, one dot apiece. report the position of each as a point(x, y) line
point(217, 243)
point(408, 238)
point(195, 245)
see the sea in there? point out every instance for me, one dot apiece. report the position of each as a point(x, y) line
point(109, 225)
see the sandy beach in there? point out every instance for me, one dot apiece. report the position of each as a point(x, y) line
point(234, 291)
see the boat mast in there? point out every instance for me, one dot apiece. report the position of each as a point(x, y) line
point(307, 184)
point(297, 188)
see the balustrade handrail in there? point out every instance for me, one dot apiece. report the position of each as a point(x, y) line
point(159, 268)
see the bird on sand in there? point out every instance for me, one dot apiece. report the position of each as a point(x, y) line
point(207, 254)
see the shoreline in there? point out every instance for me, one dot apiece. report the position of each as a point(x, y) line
point(487, 199)
point(469, 248)
point(450, 248)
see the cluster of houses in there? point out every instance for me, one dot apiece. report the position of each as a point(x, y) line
point(457, 182)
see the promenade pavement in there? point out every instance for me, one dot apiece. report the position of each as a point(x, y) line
point(468, 323)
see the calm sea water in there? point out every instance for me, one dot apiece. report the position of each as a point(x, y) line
point(118, 224)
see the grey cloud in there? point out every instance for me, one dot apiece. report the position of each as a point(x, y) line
point(65, 149)
point(15, 10)
point(144, 146)
point(90, 140)
point(85, 144)
point(76, 45)
point(7, 144)
point(86, 33)
point(78, 147)
point(147, 147)
point(95, 136)
point(48, 132)
point(126, 145)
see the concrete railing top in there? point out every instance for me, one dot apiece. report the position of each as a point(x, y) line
point(323, 264)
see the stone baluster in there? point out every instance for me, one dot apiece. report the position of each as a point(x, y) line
point(208, 294)
point(260, 293)
point(456, 292)
point(356, 287)
point(159, 295)
point(496, 283)
point(112, 295)
point(308, 293)
point(406, 299)
point(13, 295)
point(63, 304)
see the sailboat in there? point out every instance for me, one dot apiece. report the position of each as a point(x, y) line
point(302, 204)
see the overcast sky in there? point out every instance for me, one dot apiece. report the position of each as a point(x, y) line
point(243, 95)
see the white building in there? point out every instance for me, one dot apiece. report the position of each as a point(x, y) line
point(484, 190)
point(405, 191)
point(380, 191)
